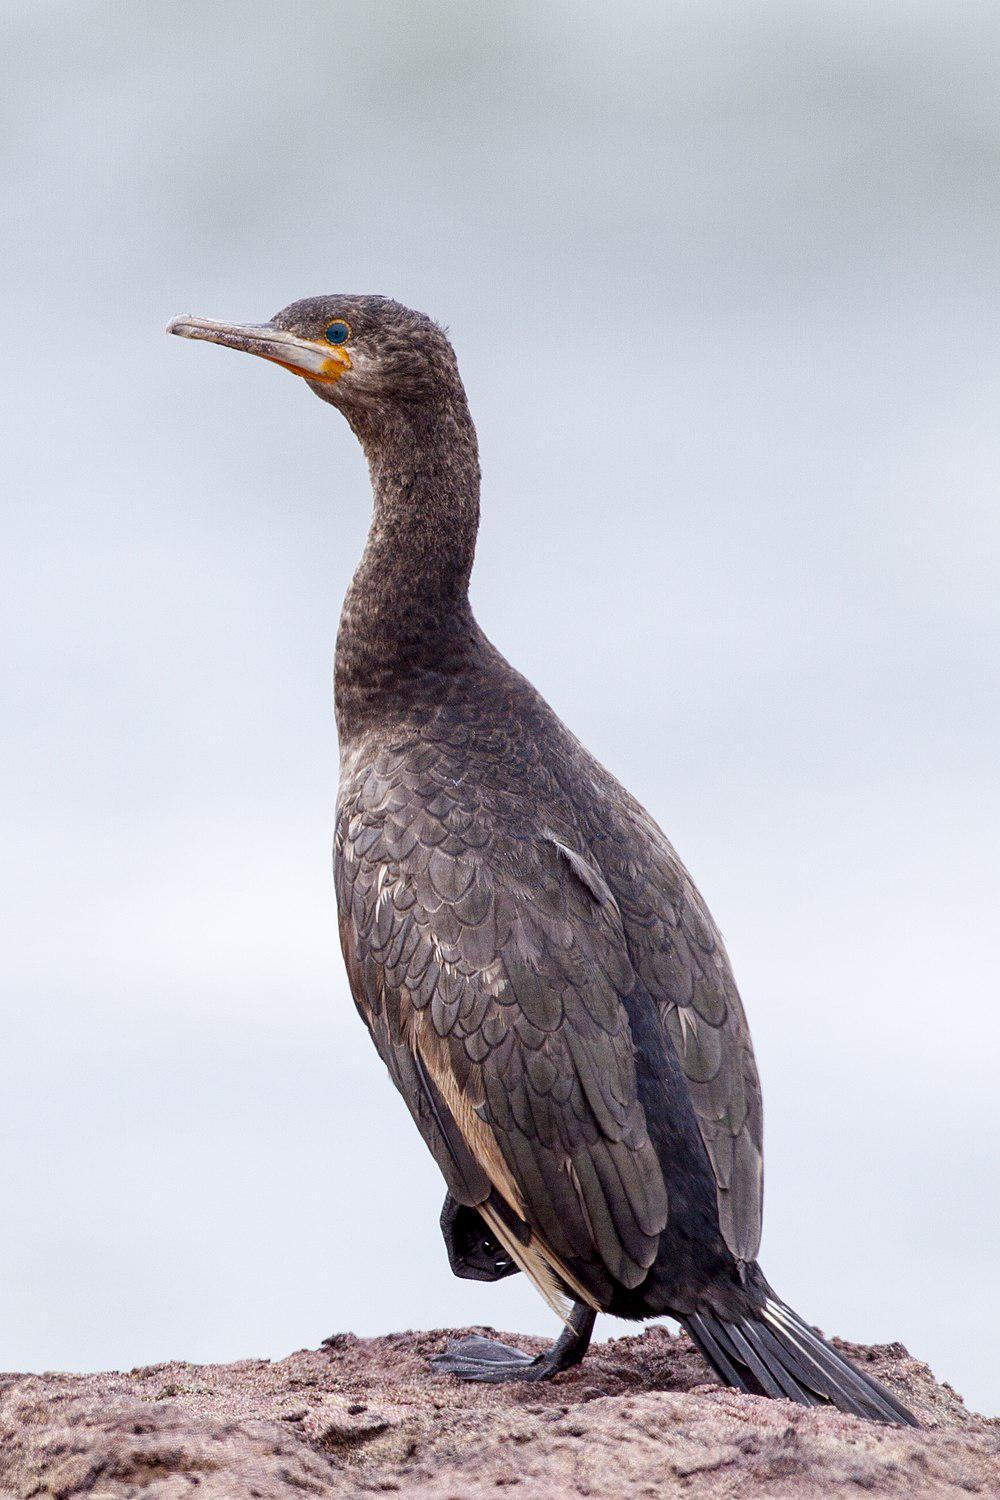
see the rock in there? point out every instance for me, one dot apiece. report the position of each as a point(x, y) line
point(641, 1417)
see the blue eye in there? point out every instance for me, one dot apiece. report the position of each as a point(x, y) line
point(338, 333)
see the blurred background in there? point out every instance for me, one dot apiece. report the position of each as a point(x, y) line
point(722, 279)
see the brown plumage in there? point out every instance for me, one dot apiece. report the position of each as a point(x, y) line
point(535, 966)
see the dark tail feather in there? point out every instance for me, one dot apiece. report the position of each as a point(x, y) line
point(777, 1354)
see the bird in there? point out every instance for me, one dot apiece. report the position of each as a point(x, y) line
point(535, 965)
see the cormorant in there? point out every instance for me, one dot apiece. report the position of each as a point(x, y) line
point(539, 973)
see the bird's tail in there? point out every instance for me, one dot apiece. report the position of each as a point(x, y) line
point(776, 1354)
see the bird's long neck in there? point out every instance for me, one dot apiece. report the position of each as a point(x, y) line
point(406, 620)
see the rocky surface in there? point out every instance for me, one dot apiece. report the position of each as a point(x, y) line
point(358, 1416)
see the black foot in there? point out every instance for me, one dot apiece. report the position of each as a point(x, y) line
point(473, 1253)
point(486, 1360)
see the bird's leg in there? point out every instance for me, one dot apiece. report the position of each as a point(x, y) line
point(473, 1252)
point(482, 1359)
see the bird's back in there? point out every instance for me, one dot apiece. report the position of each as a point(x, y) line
point(548, 990)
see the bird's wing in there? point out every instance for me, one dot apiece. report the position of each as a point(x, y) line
point(680, 958)
point(490, 973)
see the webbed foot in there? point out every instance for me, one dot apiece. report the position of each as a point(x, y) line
point(493, 1363)
point(473, 1252)
point(476, 1358)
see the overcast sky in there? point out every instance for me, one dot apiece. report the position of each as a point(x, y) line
point(723, 282)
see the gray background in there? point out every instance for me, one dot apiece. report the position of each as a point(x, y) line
point(723, 283)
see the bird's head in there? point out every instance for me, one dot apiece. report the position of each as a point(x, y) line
point(355, 352)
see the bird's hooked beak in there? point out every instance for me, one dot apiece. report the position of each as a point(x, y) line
point(306, 357)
